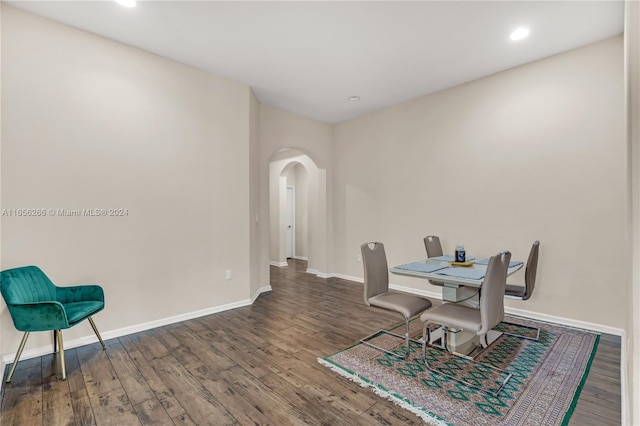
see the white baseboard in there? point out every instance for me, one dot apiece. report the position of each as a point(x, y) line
point(346, 277)
point(318, 273)
point(278, 264)
point(301, 257)
point(569, 322)
point(258, 292)
point(86, 340)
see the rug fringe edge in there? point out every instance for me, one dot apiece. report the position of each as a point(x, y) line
point(384, 394)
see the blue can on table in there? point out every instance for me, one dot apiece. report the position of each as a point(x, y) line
point(460, 254)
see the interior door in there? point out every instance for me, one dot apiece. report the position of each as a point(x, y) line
point(290, 221)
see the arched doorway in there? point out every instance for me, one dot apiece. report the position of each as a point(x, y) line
point(295, 173)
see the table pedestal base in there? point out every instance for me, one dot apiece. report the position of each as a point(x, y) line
point(457, 293)
point(462, 343)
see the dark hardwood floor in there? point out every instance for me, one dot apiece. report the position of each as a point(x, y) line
point(252, 365)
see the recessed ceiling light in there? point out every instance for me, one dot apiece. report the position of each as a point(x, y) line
point(127, 3)
point(520, 33)
point(354, 98)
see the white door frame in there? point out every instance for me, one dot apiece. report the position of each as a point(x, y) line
point(291, 214)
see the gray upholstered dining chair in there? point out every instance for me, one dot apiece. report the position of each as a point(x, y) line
point(478, 321)
point(524, 293)
point(377, 294)
point(518, 291)
point(434, 249)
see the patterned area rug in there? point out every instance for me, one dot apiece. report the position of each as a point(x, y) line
point(548, 375)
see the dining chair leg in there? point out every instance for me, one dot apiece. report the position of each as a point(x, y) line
point(55, 341)
point(15, 361)
point(537, 329)
point(424, 345)
point(62, 364)
point(407, 340)
point(426, 339)
point(95, 330)
point(406, 335)
point(445, 338)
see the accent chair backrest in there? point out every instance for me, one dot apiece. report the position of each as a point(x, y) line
point(433, 246)
point(376, 272)
point(492, 292)
point(27, 284)
point(532, 268)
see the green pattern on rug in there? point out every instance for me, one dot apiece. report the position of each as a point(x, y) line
point(547, 376)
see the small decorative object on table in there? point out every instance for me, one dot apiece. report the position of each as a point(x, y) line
point(460, 254)
point(465, 264)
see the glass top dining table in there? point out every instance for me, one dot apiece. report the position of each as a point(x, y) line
point(440, 269)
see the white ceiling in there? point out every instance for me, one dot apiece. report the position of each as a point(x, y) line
point(308, 57)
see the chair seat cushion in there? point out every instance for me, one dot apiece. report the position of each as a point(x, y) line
point(514, 290)
point(78, 311)
point(406, 304)
point(454, 316)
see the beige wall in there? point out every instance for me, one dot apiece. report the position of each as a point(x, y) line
point(536, 152)
point(91, 123)
point(280, 129)
point(259, 261)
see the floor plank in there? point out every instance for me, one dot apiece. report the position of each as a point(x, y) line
point(201, 406)
point(160, 390)
point(131, 379)
point(82, 411)
point(57, 407)
point(255, 365)
point(151, 412)
point(22, 398)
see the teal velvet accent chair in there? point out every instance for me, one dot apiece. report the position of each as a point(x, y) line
point(36, 304)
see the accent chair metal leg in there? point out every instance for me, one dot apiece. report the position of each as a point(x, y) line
point(62, 364)
point(95, 330)
point(55, 341)
point(15, 361)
